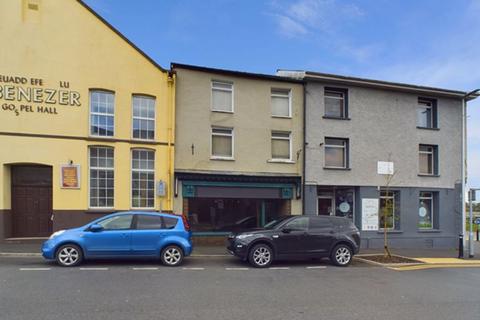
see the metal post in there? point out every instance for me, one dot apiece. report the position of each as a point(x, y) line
point(464, 178)
point(470, 235)
point(460, 246)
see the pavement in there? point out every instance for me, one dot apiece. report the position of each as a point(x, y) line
point(226, 288)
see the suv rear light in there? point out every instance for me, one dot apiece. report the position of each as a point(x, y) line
point(185, 223)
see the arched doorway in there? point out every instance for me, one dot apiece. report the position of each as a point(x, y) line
point(31, 200)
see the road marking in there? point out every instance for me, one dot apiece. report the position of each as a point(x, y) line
point(193, 268)
point(317, 267)
point(433, 266)
point(35, 269)
point(145, 268)
point(94, 269)
point(279, 268)
point(236, 269)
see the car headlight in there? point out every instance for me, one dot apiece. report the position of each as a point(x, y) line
point(57, 233)
point(243, 236)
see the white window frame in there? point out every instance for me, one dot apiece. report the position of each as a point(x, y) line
point(344, 147)
point(143, 118)
point(337, 98)
point(394, 214)
point(232, 135)
point(426, 104)
point(100, 168)
point(427, 152)
point(221, 89)
point(420, 198)
point(281, 138)
point(282, 96)
point(141, 170)
point(100, 113)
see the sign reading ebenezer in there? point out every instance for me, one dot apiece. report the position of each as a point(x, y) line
point(22, 95)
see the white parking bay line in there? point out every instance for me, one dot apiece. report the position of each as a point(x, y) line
point(35, 269)
point(145, 268)
point(317, 267)
point(94, 269)
point(236, 269)
point(279, 268)
point(193, 268)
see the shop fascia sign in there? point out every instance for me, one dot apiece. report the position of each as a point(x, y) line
point(29, 95)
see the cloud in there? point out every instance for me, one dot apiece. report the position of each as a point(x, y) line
point(289, 27)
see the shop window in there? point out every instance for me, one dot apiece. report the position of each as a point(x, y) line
point(389, 215)
point(427, 208)
point(281, 103)
point(281, 145)
point(428, 159)
point(336, 103)
point(427, 113)
point(143, 117)
point(101, 177)
point(344, 202)
point(336, 153)
point(102, 113)
point(222, 96)
point(143, 178)
point(222, 143)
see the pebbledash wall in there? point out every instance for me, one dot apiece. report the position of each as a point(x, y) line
point(380, 122)
point(69, 83)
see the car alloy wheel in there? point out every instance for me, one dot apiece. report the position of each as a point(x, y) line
point(261, 256)
point(69, 255)
point(172, 256)
point(342, 255)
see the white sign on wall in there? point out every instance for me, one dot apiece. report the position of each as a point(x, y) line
point(384, 167)
point(369, 214)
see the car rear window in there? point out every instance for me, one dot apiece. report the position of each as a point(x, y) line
point(170, 223)
point(148, 222)
point(320, 223)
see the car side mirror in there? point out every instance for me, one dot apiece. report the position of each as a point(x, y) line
point(286, 230)
point(95, 228)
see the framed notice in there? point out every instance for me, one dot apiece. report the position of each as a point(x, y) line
point(369, 214)
point(70, 176)
point(385, 167)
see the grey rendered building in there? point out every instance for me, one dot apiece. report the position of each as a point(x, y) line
point(351, 125)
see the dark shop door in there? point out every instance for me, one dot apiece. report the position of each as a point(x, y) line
point(31, 201)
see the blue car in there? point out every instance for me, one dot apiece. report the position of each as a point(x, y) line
point(123, 235)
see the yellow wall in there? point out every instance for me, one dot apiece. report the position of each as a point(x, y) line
point(63, 41)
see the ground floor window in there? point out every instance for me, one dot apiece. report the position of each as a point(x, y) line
point(101, 177)
point(143, 178)
point(336, 201)
point(227, 215)
point(425, 210)
point(389, 211)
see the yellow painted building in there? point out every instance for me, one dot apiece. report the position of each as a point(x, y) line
point(86, 120)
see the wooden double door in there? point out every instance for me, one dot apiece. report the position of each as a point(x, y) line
point(31, 201)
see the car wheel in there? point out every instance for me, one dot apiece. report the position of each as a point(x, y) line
point(69, 255)
point(172, 256)
point(341, 255)
point(260, 256)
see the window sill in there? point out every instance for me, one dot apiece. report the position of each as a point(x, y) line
point(222, 159)
point(280, 161)
point(335, 168)
point(390, 231)
point(101, 137)
point(221, 111)
point(427, 128)
point(428, 175)
point(429, 231)
point(282, 117)
point(335, 118)
point(143, 140)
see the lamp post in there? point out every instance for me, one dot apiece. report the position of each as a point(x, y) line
point(467, 97)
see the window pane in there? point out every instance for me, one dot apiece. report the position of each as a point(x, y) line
point(143, 118)
point(425, 211)
point(334, 142)
point(143, 178)
point(101, 177)
point(424, 117)
point(221, 100)
point(149, 222)
point(334, 157)
point(117, 222)
point(298, 224)
point(102, 113)
point(170, 223)
point(280, 105)
point(280, 149)
point(426, 163)
point(222, 146)
point(334, 107)
point(222, 85)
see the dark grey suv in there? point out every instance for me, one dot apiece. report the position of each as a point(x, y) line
point(298, 237)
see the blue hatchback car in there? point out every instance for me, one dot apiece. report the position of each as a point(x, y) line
point(123, 235)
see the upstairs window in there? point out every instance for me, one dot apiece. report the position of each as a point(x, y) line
point(336, 103)
point(222, 96)
point(281, 103)
point(222, 143)
point(281, 145)
point(102, 113)
point(426, 113)
point(143, 117)
point(428, 159)
point(336, 153)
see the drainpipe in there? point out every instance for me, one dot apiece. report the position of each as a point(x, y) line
point(467, 97)
point(304, 168)
point(170, 141)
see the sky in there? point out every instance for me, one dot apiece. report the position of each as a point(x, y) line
point(429, 42)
